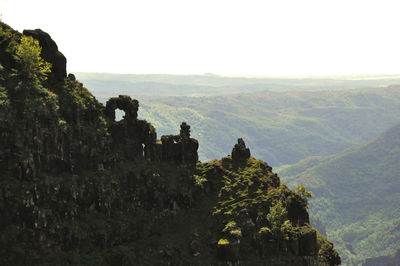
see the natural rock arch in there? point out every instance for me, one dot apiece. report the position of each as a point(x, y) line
point(124, 103)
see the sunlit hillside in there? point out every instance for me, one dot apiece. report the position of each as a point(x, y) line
point(356, 194)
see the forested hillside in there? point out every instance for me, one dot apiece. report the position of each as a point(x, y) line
point(281, 128)
point(286, 127)
point(356, 195)
point(359, 207)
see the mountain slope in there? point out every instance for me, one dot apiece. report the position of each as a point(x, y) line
point(78, 187)
point(281, 128)
point(357, 195)
point(309, 117)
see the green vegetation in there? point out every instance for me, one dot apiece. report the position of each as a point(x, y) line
point(252, 202)
point(284, 120)
point(326, 251)
point(303, 193)
point(356, 196)
point(33, 67)
point(68, 196)
point(277, 218)
point(280, 128)
point(223, 242)
point(79, 188)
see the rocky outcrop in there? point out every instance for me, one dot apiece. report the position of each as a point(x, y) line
point(50, 53)
point(240, 153)
point(122, 102)
point(181, 149)
point(7, 37)
point(78, 187)
point(133, 138)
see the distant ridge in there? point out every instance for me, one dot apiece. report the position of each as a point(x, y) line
point(222, 85)
point(357, 194)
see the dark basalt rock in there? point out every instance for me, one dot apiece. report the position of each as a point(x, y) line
point(6, 58)
point(135, 138)
point(123, 102)
point(180, 148)
point(239, 152)
point(78, 187)
point(50, 53)
point(308, 244)
point(71, 77)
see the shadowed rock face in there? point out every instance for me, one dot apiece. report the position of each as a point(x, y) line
point(79, 188)
point(138, 139)
point(180, 148)
point(240, 153)
point(123, 102)
point(6, 58)
point(50, 53)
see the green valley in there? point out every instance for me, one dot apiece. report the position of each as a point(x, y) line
point(311, 136)
point(217, 133)
point(280, 127)
point(356, 195)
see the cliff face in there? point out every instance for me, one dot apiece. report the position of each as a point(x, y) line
point(78, 187)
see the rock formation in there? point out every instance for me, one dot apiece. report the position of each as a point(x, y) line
point(240, 153)
point(180, 148)
point(138, 139)
point(79, 188)
point(50, 52)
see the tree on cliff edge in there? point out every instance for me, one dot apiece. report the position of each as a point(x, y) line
point(33, 67)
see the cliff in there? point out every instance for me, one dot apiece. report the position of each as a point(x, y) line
point(78, 187)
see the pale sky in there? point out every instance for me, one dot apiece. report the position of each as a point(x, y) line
point(279, 37)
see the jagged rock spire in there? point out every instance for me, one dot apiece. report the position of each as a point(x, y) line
point(185, 131)
point(239, 152)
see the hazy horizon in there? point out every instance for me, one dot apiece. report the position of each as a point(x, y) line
point(229, 38)
point(321, 76)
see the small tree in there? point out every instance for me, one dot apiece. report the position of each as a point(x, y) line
point(281, 227)
point(33, 67)
point(276, 217)
point(304, 194)
point(29, 76)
